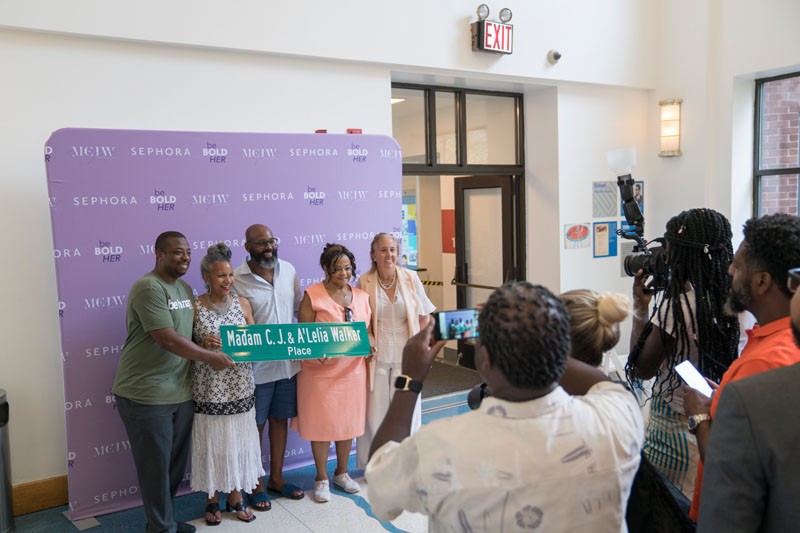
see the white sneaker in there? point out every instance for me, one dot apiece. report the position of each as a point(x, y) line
point(346, 483)
point(322, 491)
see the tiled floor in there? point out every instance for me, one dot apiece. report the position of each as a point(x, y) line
point(345, 513)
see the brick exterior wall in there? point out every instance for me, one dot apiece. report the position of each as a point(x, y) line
point(780, 144)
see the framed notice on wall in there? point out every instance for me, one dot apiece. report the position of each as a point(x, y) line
point(605, 239)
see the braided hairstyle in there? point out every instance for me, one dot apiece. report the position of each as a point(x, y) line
point(698, 252)
point(525, 329)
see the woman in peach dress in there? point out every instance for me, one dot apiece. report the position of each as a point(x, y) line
point(331, 393)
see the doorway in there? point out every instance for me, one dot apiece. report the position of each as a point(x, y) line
point(463, 169)
point(484, 244)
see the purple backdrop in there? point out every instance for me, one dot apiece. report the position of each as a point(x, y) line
point(113, 191)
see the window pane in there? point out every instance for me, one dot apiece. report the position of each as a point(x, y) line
point(491, 131)
point(780, 124)
point(778, 194)
point(446, 145)
point(408, 123)
point(483, 237)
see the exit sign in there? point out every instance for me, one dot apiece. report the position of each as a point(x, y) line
point(490, 36)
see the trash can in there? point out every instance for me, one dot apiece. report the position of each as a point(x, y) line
point(6, 508)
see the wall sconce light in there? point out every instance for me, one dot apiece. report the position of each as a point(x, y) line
point(670, 128)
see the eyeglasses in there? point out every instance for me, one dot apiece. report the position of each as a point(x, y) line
point(348, 314)
point(793, 280)
point(275, 241)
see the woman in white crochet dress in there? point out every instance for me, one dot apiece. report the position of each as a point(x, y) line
point(226, 456)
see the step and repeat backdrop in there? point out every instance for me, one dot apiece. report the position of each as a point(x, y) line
point(113, 191)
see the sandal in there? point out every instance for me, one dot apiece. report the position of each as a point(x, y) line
point(259, 499)
point(239, 507)
point(212, 509)
point(288, 490)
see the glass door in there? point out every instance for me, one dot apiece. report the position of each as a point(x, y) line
point(484, 221)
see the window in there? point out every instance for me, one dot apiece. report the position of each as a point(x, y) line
point(777, 145)
point(443, 130)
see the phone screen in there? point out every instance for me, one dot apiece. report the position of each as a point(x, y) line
point(458, 324)
point(693, 378)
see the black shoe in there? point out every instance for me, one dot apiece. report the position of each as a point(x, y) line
point(211, 509)
point(239, 507)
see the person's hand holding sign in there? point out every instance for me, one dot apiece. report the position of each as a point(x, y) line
point(212, 342)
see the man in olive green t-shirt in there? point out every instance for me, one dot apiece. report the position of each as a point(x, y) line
point(153, 386)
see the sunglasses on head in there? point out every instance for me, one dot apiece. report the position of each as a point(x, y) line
point(348, 314)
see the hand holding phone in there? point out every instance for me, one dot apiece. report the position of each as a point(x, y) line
point(457, 324)
point(693, 378)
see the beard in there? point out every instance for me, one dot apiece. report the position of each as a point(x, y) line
point(266, 262)
point(739, 300)
point(796, 332)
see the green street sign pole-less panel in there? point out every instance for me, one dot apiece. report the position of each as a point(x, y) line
point(312, 340)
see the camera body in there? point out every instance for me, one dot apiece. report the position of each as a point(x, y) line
point(653, 262)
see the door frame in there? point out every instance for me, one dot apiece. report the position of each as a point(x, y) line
point(463, 184)
point(510, 271)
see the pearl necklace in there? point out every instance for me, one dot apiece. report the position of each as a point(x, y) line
point(220, 309)
point(390, 284)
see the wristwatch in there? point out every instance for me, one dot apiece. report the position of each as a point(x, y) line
point(695, 421)
point(404, 382)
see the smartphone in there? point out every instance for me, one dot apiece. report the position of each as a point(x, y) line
point(693, 378)
point(458, 324)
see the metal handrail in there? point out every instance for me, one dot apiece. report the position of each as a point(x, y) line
point(473, 285)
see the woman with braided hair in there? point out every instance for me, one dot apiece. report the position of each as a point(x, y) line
point(687, 322)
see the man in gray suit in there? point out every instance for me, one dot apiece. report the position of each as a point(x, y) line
point(752, 469)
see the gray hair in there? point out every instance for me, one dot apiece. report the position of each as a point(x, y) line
point(216, 254)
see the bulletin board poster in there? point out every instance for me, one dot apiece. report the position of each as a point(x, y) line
point(577, 235)
point(604, 199)
point(112, 192)
point(409, 246)
point(605, 239)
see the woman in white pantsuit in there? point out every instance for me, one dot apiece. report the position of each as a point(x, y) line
point(400, 308)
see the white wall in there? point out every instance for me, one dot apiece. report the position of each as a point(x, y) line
point(591, 121)
point(542, 190)
point(609, 42)
point(52, 82)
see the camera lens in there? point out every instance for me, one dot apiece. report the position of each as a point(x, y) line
point(634, 263)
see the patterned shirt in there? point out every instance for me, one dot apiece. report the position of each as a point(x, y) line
point(227, 392)
point(556, 463)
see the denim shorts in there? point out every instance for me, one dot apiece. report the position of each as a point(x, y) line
point(276, 399)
